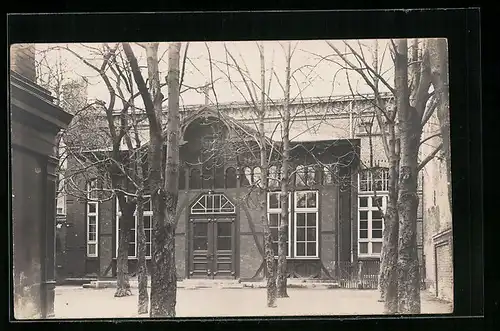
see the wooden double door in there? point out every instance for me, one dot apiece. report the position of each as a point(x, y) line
point(212, 247)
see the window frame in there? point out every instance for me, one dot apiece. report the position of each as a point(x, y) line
point(278, 211)
point(370, 209)
point(92, 202)
point(148, 213)
point(306, 210)
point(233, 211)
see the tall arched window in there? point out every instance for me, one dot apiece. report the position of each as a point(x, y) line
point(195, 179)
point(300, 175)
point(219, 176)
point(257, 176)
point(273, 176)
point(207, 176)
point(230, 177)
point(182, 179)
point(246, 178)
point(311, 175)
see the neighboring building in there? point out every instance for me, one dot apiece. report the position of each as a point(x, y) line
point(334, 218)
point(35, 121)
point(438, 234)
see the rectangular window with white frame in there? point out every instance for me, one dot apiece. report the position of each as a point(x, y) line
point(306, 227)
point(92, 219)
point(148, 230)
point(274, 217)
point(372, 205)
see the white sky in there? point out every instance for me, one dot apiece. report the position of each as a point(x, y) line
point(315, 77)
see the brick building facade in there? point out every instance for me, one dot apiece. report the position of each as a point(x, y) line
point(348, 225)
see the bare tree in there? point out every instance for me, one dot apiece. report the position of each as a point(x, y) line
point(164, 189)
point(396, 290)
point(285, 175)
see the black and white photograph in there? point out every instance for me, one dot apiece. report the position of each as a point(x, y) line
point(231, 178)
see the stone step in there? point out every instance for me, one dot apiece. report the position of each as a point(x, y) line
point(221, 284)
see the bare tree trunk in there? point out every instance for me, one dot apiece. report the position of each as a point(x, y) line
point(268, 239)
point(409, 124)
point(165, 285)
point(126, 223)
point(388, 282)
point(142, 271)
point(438, 56)
point(283, 228)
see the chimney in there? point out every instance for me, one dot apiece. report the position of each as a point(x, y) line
point(22, 60)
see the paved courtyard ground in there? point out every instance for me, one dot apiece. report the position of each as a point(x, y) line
point(77, 302)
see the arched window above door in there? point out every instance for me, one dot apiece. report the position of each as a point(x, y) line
point(213, 203)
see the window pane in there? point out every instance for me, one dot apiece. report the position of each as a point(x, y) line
point(274, 219)
point(195, 179)
point(311, 175)
point(257, 176)
point(274, 234)
point(363, 215)
point(92, 207)
point(210, 202)
point(224, 229)
point(131, 236)
point(230, 178)
point(92, 249)
point(148, 250)
point(92, 220)
point(311, 234)
point(301, 219)
point(246, 178)
point(377, 225)
point(200, 243)
point(208, 176)
point(311, 200)
point(301, 249)
point(92, 236)
point(301, 200)
point(311, 249)
point(300, 176)
point(224, 243)
point(273, 175)
point(131, 250)
point(301, 234)
point(311, 219)
point(92, 228)
point(377, 234)
point(363, 234)
point(363, 225)
point(217, 202)
point(376, 248)
point(327, 175)
point(148, 235)
point(363, 202)
point(147, 222)
point(219, 175)
point(377, 202)
point(376, 215)
point(363, 248)
point(274, 202)
point(275, 248)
